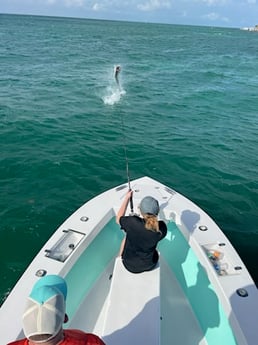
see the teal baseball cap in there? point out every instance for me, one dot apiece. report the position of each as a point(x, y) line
point(51, 280)
point(44, 314)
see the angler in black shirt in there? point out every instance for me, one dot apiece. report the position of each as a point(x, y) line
point(138, 249)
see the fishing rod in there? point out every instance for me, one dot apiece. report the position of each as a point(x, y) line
point(126, 161)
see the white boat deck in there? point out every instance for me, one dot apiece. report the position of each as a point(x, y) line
point(197, 305)
point(173, 320)
point(178, 325)
point(133, 311)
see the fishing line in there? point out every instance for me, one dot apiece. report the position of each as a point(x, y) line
point(126, 160)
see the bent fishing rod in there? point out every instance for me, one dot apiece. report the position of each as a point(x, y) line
point(126, 161)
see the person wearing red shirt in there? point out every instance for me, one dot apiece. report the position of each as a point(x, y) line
point(45, 314)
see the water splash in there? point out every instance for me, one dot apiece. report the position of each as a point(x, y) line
point(114, 91)
point(113, 95)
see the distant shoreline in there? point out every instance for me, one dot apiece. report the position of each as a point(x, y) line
point(253, 28)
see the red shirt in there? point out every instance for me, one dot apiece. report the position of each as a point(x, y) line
point(71, 337)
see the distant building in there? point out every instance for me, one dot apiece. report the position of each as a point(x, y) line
point(254, 28)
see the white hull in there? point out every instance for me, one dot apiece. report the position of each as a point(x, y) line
point(193, 303)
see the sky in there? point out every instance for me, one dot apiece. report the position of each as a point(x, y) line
point(222, 13)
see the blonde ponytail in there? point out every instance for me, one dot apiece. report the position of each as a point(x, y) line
point(151, 222)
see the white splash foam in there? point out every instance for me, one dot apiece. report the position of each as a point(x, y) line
point(113, 96)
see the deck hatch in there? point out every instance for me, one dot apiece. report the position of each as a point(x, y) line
point(64, 247)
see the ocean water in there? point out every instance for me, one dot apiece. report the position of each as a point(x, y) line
point(186, 113)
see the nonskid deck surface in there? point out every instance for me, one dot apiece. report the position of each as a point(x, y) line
point(133, 305)
point(178, 324)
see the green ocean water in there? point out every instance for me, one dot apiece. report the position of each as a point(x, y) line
point(187, 115)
